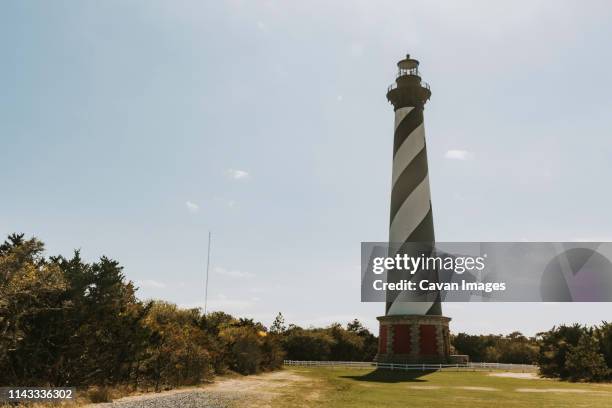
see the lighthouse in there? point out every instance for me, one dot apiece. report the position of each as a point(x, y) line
point(413, 329)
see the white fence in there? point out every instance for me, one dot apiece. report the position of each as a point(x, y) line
point(419, 367)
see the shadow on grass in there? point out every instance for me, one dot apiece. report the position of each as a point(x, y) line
point(390, 376)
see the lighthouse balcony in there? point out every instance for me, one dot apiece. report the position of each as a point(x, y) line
point(395, 85)
point(408, 91)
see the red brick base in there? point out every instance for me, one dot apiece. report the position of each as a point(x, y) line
point(413, 339)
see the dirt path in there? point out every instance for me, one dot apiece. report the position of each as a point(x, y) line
point(239, 392)
point(524, 376)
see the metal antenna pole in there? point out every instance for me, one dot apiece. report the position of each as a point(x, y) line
point(207, 267)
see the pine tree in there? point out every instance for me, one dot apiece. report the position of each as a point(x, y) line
point(278, 326)
point(585, 362)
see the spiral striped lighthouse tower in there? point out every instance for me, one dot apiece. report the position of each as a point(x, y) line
point(413, 329)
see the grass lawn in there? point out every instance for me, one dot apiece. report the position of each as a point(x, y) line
point(339, 387)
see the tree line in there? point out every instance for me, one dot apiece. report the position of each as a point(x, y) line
point(569, 352)
point(334, 343)
point(66, 322)
point(513, 348)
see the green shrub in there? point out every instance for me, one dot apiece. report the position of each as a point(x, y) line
point(585, 362)
point(554, 346)
point(303, 344)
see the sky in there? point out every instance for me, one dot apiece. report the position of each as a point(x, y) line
point(132, 128)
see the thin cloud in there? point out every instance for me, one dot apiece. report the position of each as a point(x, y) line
point(458, 155)
point(192, 207)
point(232, 273)
point(236, 174)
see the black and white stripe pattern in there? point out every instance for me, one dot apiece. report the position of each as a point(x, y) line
point(411, 215)
point(411, 218)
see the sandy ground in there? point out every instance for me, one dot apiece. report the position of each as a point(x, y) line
point(255, 383)
point(424, 387)
point(524, 376)
point(236, 392)
point(563, 391)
